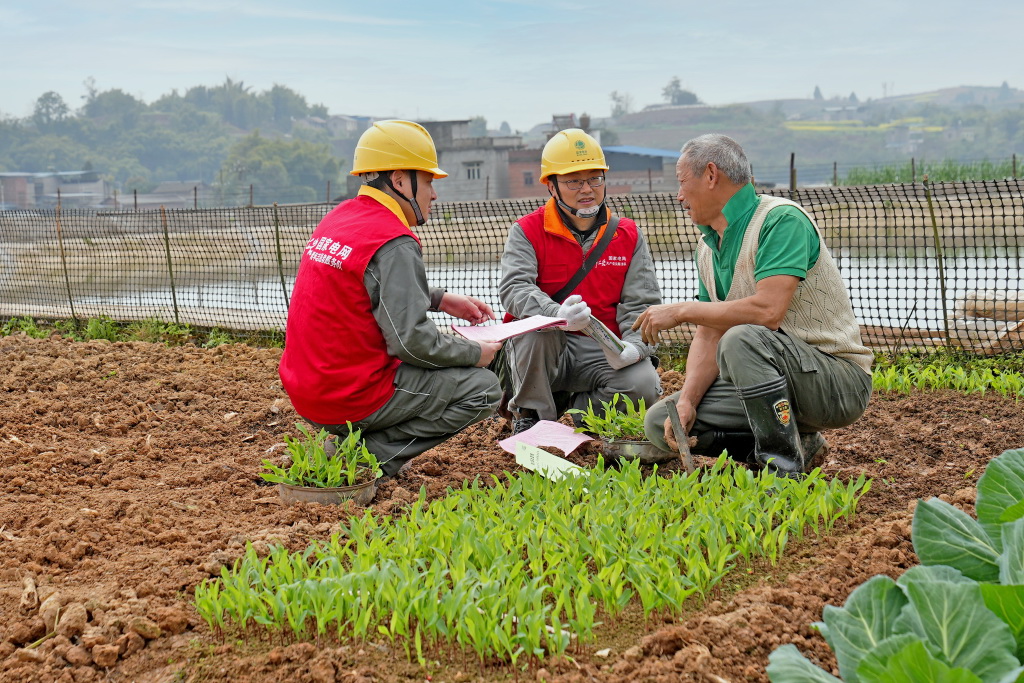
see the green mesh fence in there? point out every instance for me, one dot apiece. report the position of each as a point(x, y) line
point(926, 265)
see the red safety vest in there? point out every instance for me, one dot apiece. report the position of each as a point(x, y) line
point(560, 256)
point(335, 366)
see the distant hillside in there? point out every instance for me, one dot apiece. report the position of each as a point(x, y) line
point(967, 123)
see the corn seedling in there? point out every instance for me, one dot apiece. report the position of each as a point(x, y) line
point(350, 464)
point(618, 418)
point(526, 567)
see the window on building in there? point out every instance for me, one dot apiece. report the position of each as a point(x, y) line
point(527, 177)
point(473, 170)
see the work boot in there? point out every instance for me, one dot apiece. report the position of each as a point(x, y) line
point(815, 447)
point(777, 441)
point(523, 420)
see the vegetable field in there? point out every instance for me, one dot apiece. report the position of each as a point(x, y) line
point(129, 478)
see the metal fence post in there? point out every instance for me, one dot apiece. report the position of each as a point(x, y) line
point(940, 258)
point(792, 174)
point(280, 259)
point(64, 261)
point(170, 267)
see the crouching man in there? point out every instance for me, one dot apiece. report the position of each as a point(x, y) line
point(359, 346)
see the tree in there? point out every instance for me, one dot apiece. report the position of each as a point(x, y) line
point(285, 104)
point(115, 105)
point(622, 103)
point(675, 94)
point(817, 93)
point(287, 170)
point(853, 98)
point(50, 111)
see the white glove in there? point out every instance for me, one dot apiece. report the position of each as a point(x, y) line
point(576, 313)
point(629, 355)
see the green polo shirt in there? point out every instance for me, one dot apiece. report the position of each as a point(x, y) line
point(788, 244)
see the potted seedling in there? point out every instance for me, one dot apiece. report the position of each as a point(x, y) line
point(619, 424)
point(322, 472)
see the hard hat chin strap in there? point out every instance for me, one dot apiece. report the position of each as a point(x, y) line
point(579, 213)
point(420, 220)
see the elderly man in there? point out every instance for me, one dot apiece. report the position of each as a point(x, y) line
point(360, 350)
point(777, 355)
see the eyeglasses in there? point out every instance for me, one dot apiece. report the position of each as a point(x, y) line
point(577, 184)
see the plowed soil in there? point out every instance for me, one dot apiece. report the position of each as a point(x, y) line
point(128, 474)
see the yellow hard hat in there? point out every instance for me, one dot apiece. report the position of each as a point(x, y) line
point(571, 150)
point(396, 146)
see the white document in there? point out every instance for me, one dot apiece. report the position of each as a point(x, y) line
point(502, 331)
point(544, 463)
point(595, 329)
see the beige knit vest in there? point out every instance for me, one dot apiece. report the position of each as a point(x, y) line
point(820, 313)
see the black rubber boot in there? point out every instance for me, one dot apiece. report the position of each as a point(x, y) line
point(740, 445)
point(777, 439)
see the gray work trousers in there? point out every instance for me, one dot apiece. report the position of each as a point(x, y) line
point(428, 407)
point(549, 361)
point(825, 392)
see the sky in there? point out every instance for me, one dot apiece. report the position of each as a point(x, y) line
point(515, 61)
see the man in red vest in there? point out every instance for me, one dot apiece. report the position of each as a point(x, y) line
point(360, 349)
point(545, 272)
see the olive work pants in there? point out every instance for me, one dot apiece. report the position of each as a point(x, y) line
point(825, 392)
point(428, 407)
point(550, 361)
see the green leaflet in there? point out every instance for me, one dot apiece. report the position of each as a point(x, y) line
point(943, 534)
point(1011, 562)
point(953, 619)
point(787, 665)
point(912, 664)
point(1007, 603)
point(1001, 489)
point(866, 619)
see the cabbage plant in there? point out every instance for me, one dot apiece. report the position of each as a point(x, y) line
point(958, 617)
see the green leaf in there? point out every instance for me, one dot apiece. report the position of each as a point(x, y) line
point(1001, 488)
point(787, 665)
point(879, 657)
point(1007, 603)
point(1013, 513)
point(945, 535)
point(866, 619)
point(912, 664)
point(953, 618)
point(1011, 562)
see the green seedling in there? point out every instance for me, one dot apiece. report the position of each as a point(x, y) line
point(462, 572)
point(311, 465)
point(618, 418)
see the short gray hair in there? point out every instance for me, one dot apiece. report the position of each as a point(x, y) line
point(723, 152)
